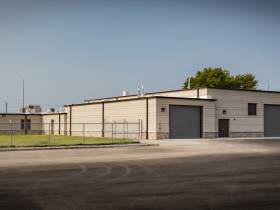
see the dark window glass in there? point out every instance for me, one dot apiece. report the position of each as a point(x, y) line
point(22, 124)
point(252, 109)
point(25, 124)
point(28, 124)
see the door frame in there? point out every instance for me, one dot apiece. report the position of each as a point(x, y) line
point(228, 126)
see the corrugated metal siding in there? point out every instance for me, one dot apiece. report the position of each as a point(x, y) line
point(236, 104)
point(163, 117)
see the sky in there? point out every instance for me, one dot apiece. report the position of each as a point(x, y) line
point(68, 51)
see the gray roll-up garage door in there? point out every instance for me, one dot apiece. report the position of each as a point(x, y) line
point(184, 122)
point(272, 120)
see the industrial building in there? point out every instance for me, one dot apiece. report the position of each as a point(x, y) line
point(28, 123)
point(178, 114)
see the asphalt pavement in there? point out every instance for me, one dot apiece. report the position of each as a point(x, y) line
point(218, 175)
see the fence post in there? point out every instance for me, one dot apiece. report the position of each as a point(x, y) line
point(112, 129)
point(83, 133)
point(11, 133)
point(126, 130)
point(49, 134)
point(115, 130)
point(139, 129)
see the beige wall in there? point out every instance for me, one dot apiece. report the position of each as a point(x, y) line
point(236, 104)
point(162, 122)
point(57, 129)
point(90, 114)
point(16, 122)
point(131, 111)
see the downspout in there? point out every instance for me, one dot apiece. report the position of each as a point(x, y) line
point(201, 122)
point(25, 123)
point(147, 118)
point(59, 123)
point(70, 121)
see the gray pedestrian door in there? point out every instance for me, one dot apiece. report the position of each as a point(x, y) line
point(272, 120)
point(184, 122)
point(223, 127)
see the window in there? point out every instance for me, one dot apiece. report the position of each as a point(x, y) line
point(252, 109)
point(28, 124)
point(22, 124)
point(25, 124)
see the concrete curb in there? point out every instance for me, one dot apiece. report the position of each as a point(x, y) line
point(73, 147)
point(219, 139)
point(244, 139)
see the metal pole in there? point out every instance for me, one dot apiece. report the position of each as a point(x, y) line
point(115, 130)
point(83, 133)
point(11, 133)
point(49, 134)
point(126, 130)
point(6, 103)
point(139, 129)
point(23, 95)
point(112, 132)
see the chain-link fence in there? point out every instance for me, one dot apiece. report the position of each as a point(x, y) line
point(43, 134)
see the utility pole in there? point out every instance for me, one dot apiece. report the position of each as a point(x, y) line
point(6, 103)
point(23, 96)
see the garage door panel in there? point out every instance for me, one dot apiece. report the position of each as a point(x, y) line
point(184, 121)
point(272, 120)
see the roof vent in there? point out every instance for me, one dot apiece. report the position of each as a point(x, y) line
point(51, 110)
point(124, 93)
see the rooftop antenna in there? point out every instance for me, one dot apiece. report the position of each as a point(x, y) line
point(142, 94)
point(138, 91)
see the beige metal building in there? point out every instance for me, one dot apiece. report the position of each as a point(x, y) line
point(207, 113)
point(26, 123)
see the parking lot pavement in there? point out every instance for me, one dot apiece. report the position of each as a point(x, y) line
point(195, 175)
point(166, 150)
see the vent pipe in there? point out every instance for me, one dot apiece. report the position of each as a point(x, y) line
point(124, 93)
point(142, 91)
point(197, 93)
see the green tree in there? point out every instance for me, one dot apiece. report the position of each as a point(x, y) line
point(220, 78)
